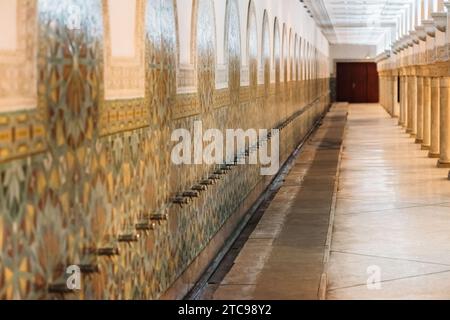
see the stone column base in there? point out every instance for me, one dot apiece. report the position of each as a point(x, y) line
point(434, 155)
point(419, 141)
point(442, 164)
point(425, 148)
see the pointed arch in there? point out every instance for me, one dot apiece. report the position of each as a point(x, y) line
point(124, 54)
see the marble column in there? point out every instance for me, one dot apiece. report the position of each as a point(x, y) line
point(395, 98)
point(412, 101)
point(419, 108)
point(385, 93)
point(401, 94)
point(444, 160)
point(404, 102)
point(426, 124)
point(435, 112)
point(391, 95)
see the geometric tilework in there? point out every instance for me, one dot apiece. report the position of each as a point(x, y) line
point(86, 171)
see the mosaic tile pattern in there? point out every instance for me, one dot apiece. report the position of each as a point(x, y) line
point(265, 54)
point(233, 50)
point(252, 45)
point(45, 219)
point(205, 40)
point(87, 172)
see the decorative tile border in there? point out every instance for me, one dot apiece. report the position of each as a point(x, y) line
point(21, 135)
point(122, 115)
point(186, 105)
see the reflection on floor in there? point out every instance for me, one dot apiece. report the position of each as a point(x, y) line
point(283, 257)
point(391, 231)
point(392, 220)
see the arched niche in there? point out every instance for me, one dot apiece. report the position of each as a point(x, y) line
point(185, 18)
point(124, 49)
point(18, 45)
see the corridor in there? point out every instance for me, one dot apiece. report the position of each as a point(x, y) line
point(390, 220)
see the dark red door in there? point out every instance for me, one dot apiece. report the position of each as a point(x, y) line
point(372, 83)
point(357, 82)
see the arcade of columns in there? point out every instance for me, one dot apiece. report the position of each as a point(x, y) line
point(415, 77)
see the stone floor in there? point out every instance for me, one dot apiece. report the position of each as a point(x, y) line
point(282, 258)
point(392, 219)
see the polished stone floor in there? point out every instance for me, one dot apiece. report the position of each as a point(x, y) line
point(392, 219)
point(389, 209)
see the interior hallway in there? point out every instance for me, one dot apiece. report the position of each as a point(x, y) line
point(116, 118)
point(392, 214)
point(390, 218)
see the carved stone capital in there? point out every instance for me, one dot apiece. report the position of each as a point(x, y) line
point(440, 20)
point(430, 28)
point(421, 34)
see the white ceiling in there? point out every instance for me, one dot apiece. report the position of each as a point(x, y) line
point(356, 21)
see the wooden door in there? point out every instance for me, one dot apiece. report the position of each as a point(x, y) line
point(357, 82)
point(372, 83)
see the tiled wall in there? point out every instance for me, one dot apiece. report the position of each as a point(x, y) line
point(87, 180)
point(333, 89)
